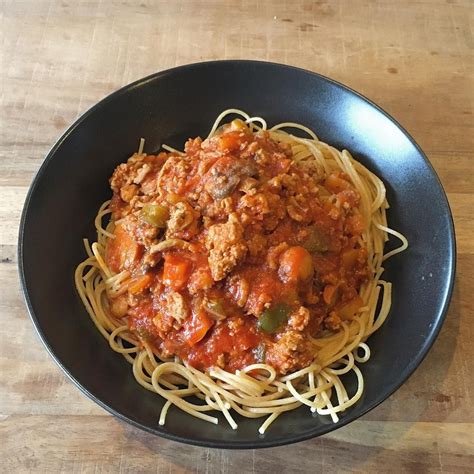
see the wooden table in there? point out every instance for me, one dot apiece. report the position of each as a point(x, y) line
point(58, 58)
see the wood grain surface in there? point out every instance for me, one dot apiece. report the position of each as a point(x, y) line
point(414, 58)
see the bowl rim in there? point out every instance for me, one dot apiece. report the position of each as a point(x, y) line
point(222, 443)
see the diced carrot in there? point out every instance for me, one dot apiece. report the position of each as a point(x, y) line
point(176, 271)
point(141, 283)
point(196, 327)
point(229, 141)
point(122, 252)
point(296, 264)
point(348, 310)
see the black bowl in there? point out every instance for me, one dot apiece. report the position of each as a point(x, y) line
point(169, 107)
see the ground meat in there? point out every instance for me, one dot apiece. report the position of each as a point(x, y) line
point(220, 208)
point(199, 280)
point(163, 324)
point(263, 301)
point(178, 171)
point(193, 146)
point(299, 319)
point(126, 173)
point(176, 306)
point(148, 185)
point(239, 288)
point(120, 177)
point(141, 173)
point(297, 211)
point(256, 205)
point(256, 244)
point(226, 247)
point(235, 323)
point(181, 216)
point(248, 186)
point(333, 322)
point(274, 253)
point(291, 352)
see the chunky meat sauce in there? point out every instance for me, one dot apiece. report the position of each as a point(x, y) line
point(235, 254)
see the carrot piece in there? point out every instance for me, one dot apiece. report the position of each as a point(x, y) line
point(196, 327)
point(141, 283)
point(296, 264)
point(229, 141)
point(176, 271)
point(122, 252)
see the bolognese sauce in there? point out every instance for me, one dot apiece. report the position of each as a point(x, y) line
point(235, 254)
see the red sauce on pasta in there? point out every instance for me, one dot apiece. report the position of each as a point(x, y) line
point(236, 254)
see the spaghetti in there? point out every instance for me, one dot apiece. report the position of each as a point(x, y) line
point(253, 387)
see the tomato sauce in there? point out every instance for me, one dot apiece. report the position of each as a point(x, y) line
point(245, 255)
